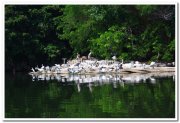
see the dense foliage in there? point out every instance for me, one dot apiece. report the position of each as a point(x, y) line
point(36, 34)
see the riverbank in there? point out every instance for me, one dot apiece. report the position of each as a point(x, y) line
point(124, 71)
point(155, 69)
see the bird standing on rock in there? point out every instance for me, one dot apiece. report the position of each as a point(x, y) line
point(78, 56)
point(114, 58)
point(152, 64)
point(89, 55)
point(33, 70)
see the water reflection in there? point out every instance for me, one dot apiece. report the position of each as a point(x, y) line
point(100, 79)
point(107, 96)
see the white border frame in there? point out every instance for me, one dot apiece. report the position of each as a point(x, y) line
point(82, 2)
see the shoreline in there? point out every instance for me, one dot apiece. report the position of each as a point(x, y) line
point(122, 71)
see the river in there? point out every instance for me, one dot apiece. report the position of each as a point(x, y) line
point(90, 96)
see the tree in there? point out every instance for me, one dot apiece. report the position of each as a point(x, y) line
point(48, 33)
point(31, 36)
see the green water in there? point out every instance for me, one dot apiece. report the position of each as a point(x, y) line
point(25, 98)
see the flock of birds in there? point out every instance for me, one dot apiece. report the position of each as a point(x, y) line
point(91, 65)
point(94, 66)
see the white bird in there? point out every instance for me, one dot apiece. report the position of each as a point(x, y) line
point(152, 64)
point(138, 64)
point(114, 58)
point(127, 65)
point(173, 63)
point(42, 67)
point(58, 65)
point(102, 69)
point(64, 70)
point(47, 67)
point(33, 70)
point(75, 69)
point(89, 55)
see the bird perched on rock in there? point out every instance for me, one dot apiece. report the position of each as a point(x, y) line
point(89, 55)
point(114, 58)
point(152, 64)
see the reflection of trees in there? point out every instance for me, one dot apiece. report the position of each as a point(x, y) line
point(131, 101)
point(53, 99)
